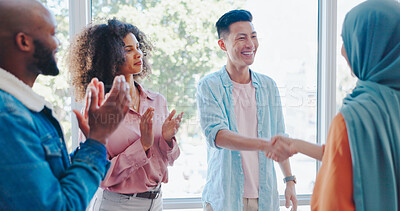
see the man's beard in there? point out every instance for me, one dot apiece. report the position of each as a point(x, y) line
point(46, 62)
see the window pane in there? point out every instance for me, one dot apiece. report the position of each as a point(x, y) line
point(186, 49)
point(184, 35)
point(345, 82)
point(287, 32)
point(56, 89)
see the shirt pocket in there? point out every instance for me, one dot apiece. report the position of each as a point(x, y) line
point(53, 155)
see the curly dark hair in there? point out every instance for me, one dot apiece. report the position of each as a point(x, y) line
point(98, 51)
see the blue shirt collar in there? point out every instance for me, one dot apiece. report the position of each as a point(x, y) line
point(227, 82)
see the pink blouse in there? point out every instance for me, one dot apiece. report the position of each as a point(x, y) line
point(132, 169)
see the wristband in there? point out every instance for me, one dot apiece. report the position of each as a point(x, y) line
point(290, 178)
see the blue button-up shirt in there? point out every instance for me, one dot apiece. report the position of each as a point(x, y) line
point(36, 172)
point(225, 180)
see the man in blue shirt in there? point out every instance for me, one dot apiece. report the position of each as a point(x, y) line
point(36, 172)
point(239, 111)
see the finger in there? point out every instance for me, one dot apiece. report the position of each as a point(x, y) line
point(179, 117)
point(85, 112)
point(95, 81)
point(147, 114)
point(287, 204)
point(101, 93)
point(95, 84)
point(91, 83)
point(93, 98)
point(151, 115)
point(115, 89)
point(172, 114)
point(81, 122)
point(141, 121)
point(124, 90)
point(274, 140)
point(294, 202)
point(149, 121)
point(177, 124)
point(126, 100)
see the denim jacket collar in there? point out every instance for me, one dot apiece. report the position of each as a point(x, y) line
point(227, 82)
point(24, 93)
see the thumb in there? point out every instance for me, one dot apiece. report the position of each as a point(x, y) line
point(274, 140)
point(287, 205)
point(81, 122)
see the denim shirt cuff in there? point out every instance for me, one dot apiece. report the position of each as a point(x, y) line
point(94, 154)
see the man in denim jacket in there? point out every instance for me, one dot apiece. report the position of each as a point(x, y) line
point(239, 111)
point(36, 172)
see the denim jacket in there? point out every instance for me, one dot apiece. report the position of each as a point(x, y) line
point(225, 180)
point(36, 172)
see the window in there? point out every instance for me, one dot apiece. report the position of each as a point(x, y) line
point(56, 89)
point(288, 37)
point(345, 81)
point(299, 48)
point(185, 50)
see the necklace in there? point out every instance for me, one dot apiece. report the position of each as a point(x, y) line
point(135, 103)
point(135, 95)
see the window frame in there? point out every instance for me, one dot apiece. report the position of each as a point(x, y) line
point(80, 15)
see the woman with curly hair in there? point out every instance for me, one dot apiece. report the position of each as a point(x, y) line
point(144, 144)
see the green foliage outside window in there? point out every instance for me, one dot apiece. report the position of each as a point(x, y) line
point(185, 40)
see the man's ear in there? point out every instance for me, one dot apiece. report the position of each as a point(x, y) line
point(24, 42)
point(221, 44)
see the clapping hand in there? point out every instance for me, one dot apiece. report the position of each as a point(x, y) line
point(102, 116)
point(146, 129)
point(83, 120)
point(171, 126)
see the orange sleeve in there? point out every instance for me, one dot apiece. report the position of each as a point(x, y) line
point(333, 190)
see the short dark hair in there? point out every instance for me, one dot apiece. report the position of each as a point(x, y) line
point(230, 17)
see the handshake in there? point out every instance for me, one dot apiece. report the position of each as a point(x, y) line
point(280, 148)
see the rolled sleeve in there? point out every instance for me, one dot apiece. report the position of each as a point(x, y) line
point(212, 117)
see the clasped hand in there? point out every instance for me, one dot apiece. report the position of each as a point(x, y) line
point(280, 148)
